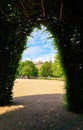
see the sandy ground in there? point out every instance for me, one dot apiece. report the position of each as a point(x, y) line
point(38, 105)
point(25, 87)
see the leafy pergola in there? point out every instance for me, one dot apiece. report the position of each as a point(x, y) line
point(63, 18)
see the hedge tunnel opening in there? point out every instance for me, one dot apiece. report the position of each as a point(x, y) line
point(41, 47)
point(18, 19)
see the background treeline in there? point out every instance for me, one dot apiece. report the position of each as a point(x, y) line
point(48, 69)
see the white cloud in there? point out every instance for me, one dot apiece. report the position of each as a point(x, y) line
point(38, 36)
point(44, 58)
point(32, 50)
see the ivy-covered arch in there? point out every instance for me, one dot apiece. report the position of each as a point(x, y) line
point(18, 18)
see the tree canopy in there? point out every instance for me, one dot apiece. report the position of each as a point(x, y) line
point(57, 69)
point(45, 69)
point(27, 68)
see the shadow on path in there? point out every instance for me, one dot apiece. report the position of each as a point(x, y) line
point(40, 112)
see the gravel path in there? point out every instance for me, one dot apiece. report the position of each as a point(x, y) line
point(38, 105)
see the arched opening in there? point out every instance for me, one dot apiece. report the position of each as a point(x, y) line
point(40, 48)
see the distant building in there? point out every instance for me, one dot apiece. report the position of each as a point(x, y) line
point(39, 64)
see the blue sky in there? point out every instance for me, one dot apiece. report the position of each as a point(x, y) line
point(39, 46)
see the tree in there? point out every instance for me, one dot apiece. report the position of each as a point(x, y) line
point(27, 71)
point(57, 69)
point(27, 68)
point(45, 70)
point(19, 69)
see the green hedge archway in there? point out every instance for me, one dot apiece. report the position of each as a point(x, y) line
point(18, 18)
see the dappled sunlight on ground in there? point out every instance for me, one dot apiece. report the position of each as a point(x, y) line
point(6, 109)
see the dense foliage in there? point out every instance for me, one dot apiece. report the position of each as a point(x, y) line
point(45, 69)
point(28, 69)
point(57, 70)
point(64, 19)
point(9, 57)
